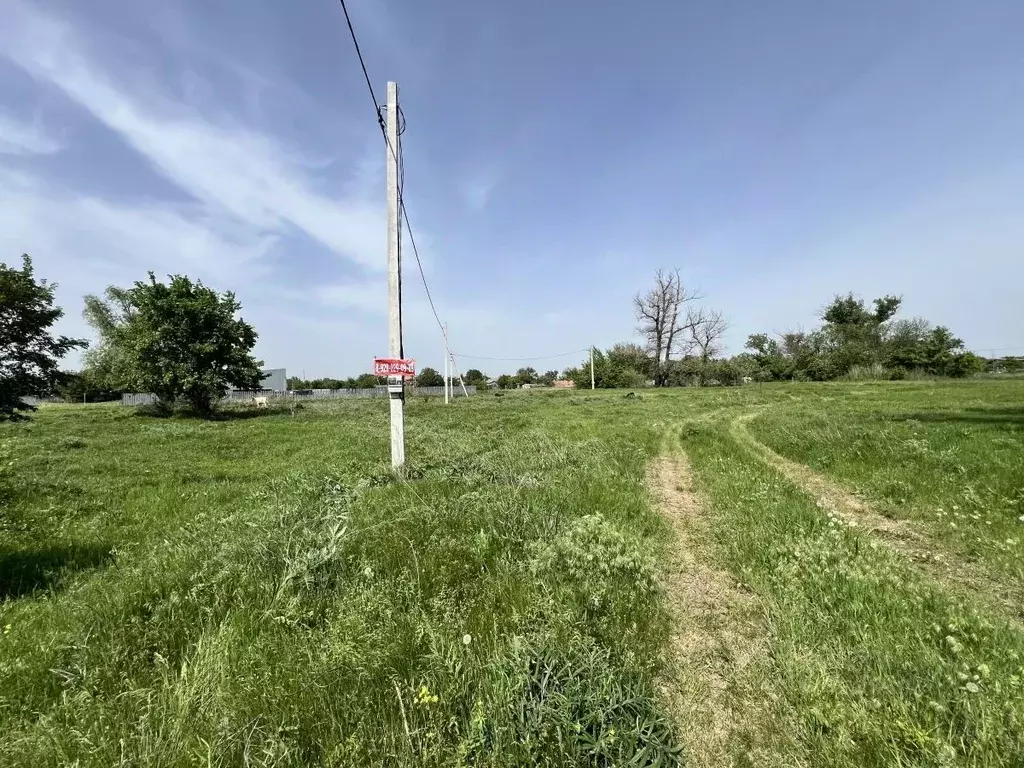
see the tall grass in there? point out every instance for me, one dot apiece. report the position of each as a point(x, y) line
point(883, 667)
point(262, 590)
point(500, 608)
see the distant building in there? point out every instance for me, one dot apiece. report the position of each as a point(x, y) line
point(564, 384)
point(274, 379)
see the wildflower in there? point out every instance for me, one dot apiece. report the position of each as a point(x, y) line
point(972, 687)
point(467, 639)
point(7, 629)
point(425, 697)
point(368, 572)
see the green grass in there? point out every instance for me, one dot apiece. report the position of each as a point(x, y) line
point(949, 457)
point(262, 590)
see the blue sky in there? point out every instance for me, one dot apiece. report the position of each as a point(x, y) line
point(557, 153)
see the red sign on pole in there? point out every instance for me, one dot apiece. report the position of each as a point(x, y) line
point(386, 366)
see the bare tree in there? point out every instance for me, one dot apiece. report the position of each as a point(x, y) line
point(659, 312)
point(704, 331)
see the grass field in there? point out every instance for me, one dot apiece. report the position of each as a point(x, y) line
point(769, 575)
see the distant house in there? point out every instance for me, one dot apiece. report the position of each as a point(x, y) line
point(564, 384)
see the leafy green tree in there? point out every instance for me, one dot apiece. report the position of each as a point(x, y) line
point(475, 377)
point(180, 341)
point(853, 334)
point(507, 382)
point(107, 364)
point(366, 381)
point(428, 377)
point(547, 378)
point(610, 372)
point(767, 355)
point(29, 353)
point(631, 357)
point(526, 376)
point(904, 343)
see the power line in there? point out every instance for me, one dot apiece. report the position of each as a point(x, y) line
point(366, 75)
point(399, 158)
point(521, 359)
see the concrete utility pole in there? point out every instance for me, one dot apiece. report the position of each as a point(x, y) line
point(592, 368)
point(396, 384)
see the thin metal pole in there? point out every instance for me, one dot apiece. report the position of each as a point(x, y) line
point(447, 380)
point(592, 368)
point(396, 385)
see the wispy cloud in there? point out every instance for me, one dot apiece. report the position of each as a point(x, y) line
point(478, 186)
point(233, 169)
point(78, 233)
point(368, 297)
point(20, 138)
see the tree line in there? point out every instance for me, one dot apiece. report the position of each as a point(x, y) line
point(185, 343)
point(683, 345)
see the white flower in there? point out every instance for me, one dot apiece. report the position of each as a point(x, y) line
point(467, 639)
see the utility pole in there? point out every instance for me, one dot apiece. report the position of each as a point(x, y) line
point(396, 384)
point(592, 367)
point(446, 364)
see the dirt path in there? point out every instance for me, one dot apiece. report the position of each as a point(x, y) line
point(718, 682)
point(969, 579)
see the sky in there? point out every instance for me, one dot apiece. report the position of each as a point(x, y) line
point(556, 154)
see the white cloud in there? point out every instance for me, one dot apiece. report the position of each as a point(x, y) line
point(84, 243)
point(233, 169)
point(19, 138)
point(369, 297)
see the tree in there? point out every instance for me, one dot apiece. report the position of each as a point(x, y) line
point(428, 377)
point(180, 341)
point(29, 353)
point(610, 370)
point(705, 329)
point(631, 357)
point(366, 381)
point(526, 376)
point(658, 313)
point(475, 376)
point(852, 333)
point(547, 378)
point(506, 382)
point(904, 342)
point(106, 363)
